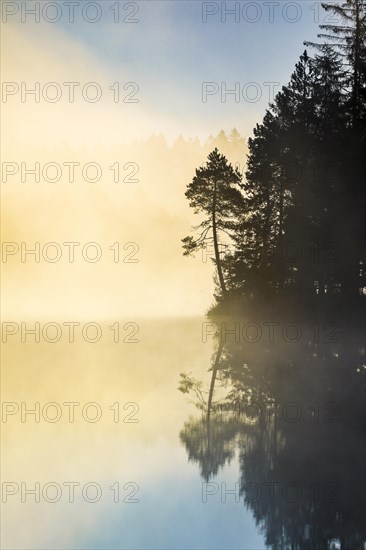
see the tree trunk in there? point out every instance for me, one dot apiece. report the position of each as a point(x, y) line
point(216, 243)
point(357, 66)
point(213, 377)
point(280, 234)
point(210, 396)
point(265, 233)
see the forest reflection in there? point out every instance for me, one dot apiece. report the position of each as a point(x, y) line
point(294, 417)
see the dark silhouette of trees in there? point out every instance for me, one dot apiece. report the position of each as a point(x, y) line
point(298, 437)
point(214, 192)
point(348, 40)
point(297, 226)
point(297, 221)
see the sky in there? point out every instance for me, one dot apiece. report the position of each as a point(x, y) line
point(170, 51)
point(101, 86)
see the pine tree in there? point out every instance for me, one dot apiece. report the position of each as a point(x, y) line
point(349, 39)
point(294, 188)
point(214, 192)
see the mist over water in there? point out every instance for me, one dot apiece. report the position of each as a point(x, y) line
point(276, 456)
point(183, 349)
point(146, 272)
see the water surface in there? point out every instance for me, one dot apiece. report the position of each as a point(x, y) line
point(228, 464)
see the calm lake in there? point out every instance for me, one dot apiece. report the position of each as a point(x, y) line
point(160, 435)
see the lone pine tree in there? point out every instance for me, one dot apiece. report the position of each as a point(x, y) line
point(214, 192)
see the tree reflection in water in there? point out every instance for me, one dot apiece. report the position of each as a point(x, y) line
point(295, 416)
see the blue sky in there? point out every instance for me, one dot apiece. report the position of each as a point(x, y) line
point(170, 52)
